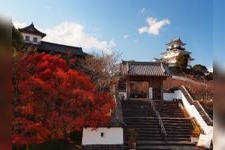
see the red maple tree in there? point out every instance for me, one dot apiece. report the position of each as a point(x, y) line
point(50, 100)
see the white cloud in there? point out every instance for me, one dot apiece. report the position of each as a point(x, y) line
point(154, 26)
point(143, 29)
point(126, 36)
point(71, 33)
point(210, 69)
point(142, 11)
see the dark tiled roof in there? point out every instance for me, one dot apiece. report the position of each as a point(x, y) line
point(59, 48)
point(145, 68)
point(177, 41)
point(32, 30)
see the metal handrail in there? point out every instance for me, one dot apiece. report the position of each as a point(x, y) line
point(158, 117)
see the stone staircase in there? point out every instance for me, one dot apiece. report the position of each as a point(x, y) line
point(139, 115)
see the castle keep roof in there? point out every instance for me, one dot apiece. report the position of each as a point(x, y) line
point(176, 41)
point(32, 30)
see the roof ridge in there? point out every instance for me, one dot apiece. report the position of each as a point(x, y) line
point(60, 44)
point(32, 29)
point(143, 62)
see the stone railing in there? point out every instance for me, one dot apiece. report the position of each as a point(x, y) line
point(195, 110)
point(158, 117)
point(198, 106)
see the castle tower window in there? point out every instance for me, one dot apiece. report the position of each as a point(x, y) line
point(27, 38)
point(102, 134)
point(35, 39)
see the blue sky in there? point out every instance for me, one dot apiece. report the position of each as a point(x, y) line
point(113, 25)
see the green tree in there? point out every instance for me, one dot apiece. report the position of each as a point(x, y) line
point(209, 76)
point(182, 61)
point(199, 69)
point(17, 39)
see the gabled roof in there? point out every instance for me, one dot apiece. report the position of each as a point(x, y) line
point(144, 68)
point(32, 30)
point(176, 41)
point(59, 48)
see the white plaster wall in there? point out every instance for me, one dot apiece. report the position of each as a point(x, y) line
point(172, 60)
point(171, 54)
point(168, 96)
point(31, 37)
point(193, 112)
point(111, 136)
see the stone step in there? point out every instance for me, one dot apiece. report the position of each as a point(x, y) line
point(158, 131)
point(156, 121)
point(159, 135)
point(158, 127)
point(183, 143)
point(163, 138)
point(139, 115)
point(160, 147)
point(166, 127)
point(151, 148)
point(157, 124)
point(137, 108)
point(163, 118)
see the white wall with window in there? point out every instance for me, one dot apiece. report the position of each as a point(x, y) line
point(31, 38)
point(102, 136)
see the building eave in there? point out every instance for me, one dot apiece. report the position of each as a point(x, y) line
point(32, 30)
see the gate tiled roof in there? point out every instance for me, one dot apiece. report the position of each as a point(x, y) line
point(144, 68)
